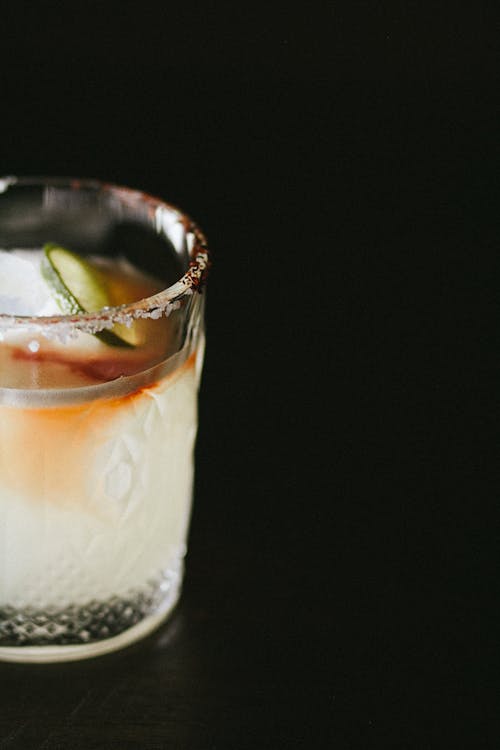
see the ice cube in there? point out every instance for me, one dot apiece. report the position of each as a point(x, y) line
point(23, 290)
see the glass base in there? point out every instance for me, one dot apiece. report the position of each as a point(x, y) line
point(98, 627)
point(55, 653)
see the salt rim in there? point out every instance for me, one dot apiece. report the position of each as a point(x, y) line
point(66, 327)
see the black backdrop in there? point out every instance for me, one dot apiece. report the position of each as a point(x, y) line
point(344, 167)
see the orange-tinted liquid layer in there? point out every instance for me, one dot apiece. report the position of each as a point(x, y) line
point(44, 451)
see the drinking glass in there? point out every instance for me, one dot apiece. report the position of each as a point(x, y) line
point(96, 449)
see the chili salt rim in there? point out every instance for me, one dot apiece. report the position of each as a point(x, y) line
point(153, 306)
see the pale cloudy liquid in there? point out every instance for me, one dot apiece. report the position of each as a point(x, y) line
point(96, 472)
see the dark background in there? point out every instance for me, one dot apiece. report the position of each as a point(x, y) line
point(344, 165)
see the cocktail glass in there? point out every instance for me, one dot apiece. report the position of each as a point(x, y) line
point(96, 450)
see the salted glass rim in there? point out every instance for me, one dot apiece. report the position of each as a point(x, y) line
point(152, 306)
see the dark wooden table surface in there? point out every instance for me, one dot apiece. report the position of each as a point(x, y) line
point(344, 169)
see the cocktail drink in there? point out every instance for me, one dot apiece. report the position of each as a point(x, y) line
point(101, 348)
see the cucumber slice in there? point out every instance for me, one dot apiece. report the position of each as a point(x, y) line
point(79, 287)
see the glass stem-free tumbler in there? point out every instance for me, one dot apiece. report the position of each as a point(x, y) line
point(101, 349)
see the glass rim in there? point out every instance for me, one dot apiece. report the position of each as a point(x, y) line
point(152, 306)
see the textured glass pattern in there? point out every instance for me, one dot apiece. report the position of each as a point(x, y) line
point(94, 621)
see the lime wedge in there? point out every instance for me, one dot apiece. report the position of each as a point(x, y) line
point(79, 287)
